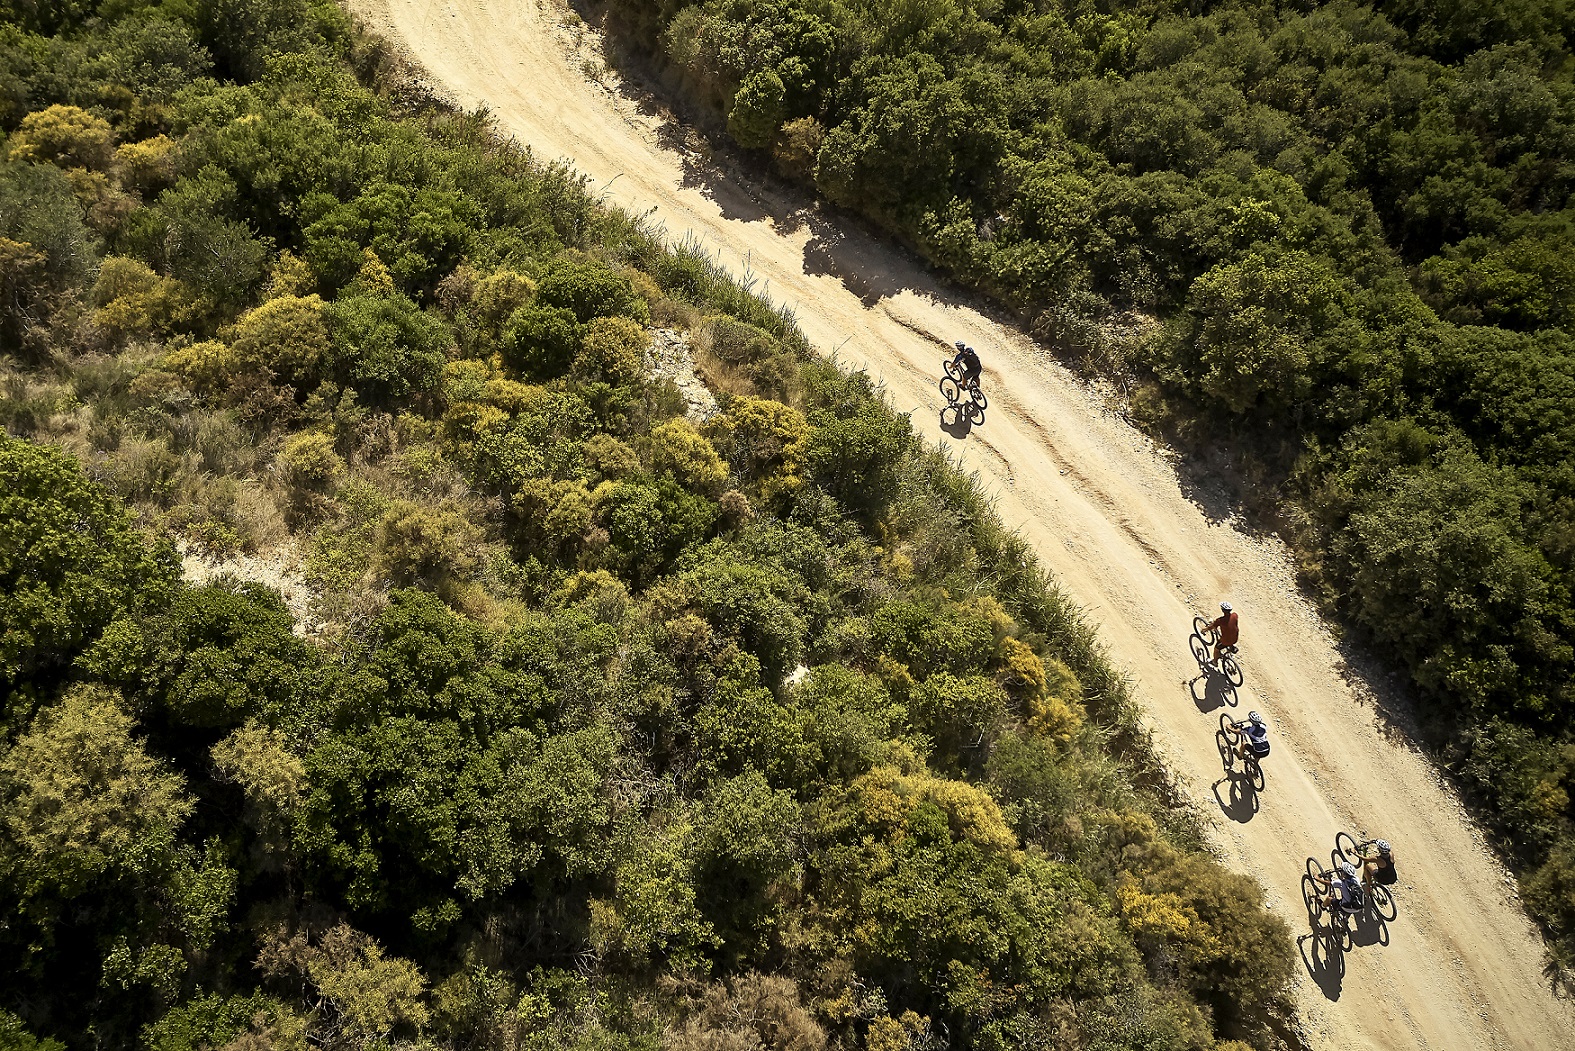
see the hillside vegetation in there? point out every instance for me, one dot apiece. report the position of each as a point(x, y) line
point(1353, 220)
point(613, 729)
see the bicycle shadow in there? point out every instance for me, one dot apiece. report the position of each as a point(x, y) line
point(1242, 804)
point(1368, 928)
point(1217, 691)
point(1326, 965)
point(961, 424)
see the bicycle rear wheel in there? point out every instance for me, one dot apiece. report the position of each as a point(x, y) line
point(1345, 845)
point(979, 400)
point(976, 415)
point(1384, 903)
point(1232, 671)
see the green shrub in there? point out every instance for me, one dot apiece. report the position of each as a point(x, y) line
point(386, 347)
point(757, 110)
point(590, 290)
point(541, 342)
point(71, 561)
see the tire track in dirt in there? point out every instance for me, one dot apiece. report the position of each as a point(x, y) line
point(1462, 966)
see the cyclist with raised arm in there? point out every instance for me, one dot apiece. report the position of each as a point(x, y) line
point(1252, 739)
point(1227, 631)
point(1379, 867)
point(967, 365)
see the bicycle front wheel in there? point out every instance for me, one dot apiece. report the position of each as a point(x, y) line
point(951, 391)
point(1346, 846)
point(1200, 627)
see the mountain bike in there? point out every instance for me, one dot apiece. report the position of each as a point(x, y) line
point(1347, 848)
point(1202, 646)
point(963, 397)
point(1229, 739)
point(1320, 913)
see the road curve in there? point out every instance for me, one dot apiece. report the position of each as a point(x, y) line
point(1461, 967)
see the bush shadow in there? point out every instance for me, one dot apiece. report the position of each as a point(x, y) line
point(743, 187)
point(833, 251)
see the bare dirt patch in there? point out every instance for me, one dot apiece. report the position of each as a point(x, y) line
point(277, 569)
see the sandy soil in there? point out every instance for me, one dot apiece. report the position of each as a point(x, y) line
point(1461, 967)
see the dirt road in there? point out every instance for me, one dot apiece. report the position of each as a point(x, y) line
point(1460, 968)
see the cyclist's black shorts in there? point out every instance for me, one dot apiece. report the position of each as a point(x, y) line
point(1386, 875)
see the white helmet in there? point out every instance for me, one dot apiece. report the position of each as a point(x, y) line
point(1254, 718)
point(1383, 846)
point(1224, 607)
point(961, 346)
point(1348, 869)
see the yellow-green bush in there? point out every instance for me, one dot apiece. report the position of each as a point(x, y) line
point(68, 136)
point(613, 351)
point(680, 450)
point(764, 440)
point(287, 335)
point(147, 166)
point(133, 301)
point(415, 543)
point(310, 462)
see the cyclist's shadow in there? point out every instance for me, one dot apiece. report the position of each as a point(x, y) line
point(1240, 803)
point(1326, 962)
point(956, 422)
point(1217, 691)
point(1369, 928)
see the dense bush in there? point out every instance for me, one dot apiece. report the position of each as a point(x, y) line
point(577, 723)
point(1354, 220)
